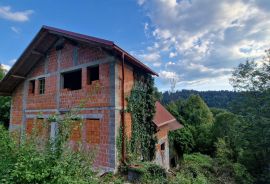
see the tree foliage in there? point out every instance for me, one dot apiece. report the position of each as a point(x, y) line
point(4, 104)
point(182, 140)
point(198, 168)
point(219, 99)
point(196, 112)
point(253, 80)
point(197, 119)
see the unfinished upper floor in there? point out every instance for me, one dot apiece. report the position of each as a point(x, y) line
point(60, 69)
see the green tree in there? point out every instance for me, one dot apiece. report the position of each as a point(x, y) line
point(4, 103)
point(196, 112)
point(182, 140)
point(226, 127)
point(197, 119)
point(176, 109)
point(216, 111)
point(253, 81)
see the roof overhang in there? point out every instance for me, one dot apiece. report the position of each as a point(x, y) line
point(164, 118)
point(45, 39)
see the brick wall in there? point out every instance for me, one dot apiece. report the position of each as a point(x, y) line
point(16, 106)
point(129, 82)
point(97, 98)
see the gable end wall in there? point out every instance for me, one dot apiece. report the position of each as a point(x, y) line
point(99, 99)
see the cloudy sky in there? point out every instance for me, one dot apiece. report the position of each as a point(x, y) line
point(192, 43)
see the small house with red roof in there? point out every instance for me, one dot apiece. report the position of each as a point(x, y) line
point(59, 69)
point(164, 122)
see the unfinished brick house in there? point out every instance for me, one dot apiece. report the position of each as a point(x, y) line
point(59, 69)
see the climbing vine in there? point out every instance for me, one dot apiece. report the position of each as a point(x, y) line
point(141, 105)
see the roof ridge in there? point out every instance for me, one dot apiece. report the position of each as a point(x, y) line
point(85, 36)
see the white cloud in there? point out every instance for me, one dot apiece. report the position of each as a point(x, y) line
point(217, 83)
point(146, 25)
point(141, 2)
point(15, 30)
point(157, 64)
point(6, 67)
point(168, 75)
point(18, 16)
point(204, 40)
point(172, 54)
point(170, 63)
point(150, 57)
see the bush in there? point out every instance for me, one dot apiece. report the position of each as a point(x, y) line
point(195, 168)
point(150, 173)
point(182, 140)
point(111, 178)
point(8, 152)
point(189, 179)
point(241, 174)
point(155, 170)
point(40, 161)
point(199, 168)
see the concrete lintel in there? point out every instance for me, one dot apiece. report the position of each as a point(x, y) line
point(91, 116)
point(41, 110)
point(83, 116)
point(92, 63)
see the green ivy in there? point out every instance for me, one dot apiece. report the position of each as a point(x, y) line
point(141, 105)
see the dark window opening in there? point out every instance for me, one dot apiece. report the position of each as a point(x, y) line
point(92, 74)
point(173, 162)
point(32, 87)
point(72, 80)
point(162, 146)
point(41, 85)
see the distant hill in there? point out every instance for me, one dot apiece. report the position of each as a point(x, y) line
point(218, 99)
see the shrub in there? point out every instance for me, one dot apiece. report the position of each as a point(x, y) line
point(37, 160)
point(199, 168)
point(182, 140)
point(241, 174)
point(223, 151)
point(8, 152)
point(189, 179)
point(195, 168)
point(150, 173)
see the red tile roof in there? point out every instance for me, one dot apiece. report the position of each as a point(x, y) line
point(163, 117)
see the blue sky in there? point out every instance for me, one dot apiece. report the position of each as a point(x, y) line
point(194, 43)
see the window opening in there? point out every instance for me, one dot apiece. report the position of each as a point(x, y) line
point(72, 80)
point(92, 74)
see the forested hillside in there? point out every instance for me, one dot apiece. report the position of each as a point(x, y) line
point(218, 99)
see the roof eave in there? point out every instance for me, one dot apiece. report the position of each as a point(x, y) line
point(137, 62)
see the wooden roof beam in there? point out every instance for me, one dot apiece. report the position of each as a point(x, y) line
point(35, 52)
point(17, 76)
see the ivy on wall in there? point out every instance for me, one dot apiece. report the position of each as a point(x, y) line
point(141, 105)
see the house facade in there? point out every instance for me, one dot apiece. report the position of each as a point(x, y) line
point(60, 70)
